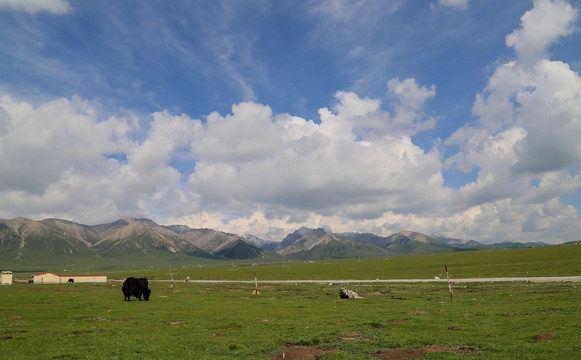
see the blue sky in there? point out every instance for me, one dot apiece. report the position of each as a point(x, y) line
point(259, 117)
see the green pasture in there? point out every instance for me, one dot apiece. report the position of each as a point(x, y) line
point(563, 260)
point(546, 261)
point(227, 321)
point(518, 320)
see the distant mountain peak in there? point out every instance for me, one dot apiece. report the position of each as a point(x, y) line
point(141, 220)
point(416, 236)
point(178, 229)
point(303, 230)
point(299, 240)
point(448, 240)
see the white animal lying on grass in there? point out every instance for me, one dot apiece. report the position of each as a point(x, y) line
point(348, 294)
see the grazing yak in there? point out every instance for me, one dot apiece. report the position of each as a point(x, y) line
point(136, 287)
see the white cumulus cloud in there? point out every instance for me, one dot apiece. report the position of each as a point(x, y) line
point(59, 159)
point(540, 27)
point(456, 4)
point(525, 144)
point(58, 7)
point(285, 163)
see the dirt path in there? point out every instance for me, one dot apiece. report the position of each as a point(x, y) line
point(542, 279)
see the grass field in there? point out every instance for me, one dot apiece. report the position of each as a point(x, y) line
point(562, 260)
point(226, 321)
point(546, 261)
point(391, 321)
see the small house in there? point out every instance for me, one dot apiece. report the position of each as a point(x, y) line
point(6, 278)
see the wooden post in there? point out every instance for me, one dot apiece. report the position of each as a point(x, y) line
point(449, 286)
point(255, 292)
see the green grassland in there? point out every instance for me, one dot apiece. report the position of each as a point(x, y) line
point(517, 320)
point(563, 260)
point(546, 261)
point(227, 321)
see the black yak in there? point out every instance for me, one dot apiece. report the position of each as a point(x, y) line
point(136, 287)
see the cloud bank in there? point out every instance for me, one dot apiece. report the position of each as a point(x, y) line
point(353, 168)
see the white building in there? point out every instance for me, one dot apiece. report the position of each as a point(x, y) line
point(6, 278)
point(52, 278)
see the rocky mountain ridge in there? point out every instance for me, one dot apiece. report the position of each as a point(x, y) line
point(125, 236)
point(21, 237)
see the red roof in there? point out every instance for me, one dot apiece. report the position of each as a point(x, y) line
point(46, 272)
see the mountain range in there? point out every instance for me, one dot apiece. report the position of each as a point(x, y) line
point(23, 239)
